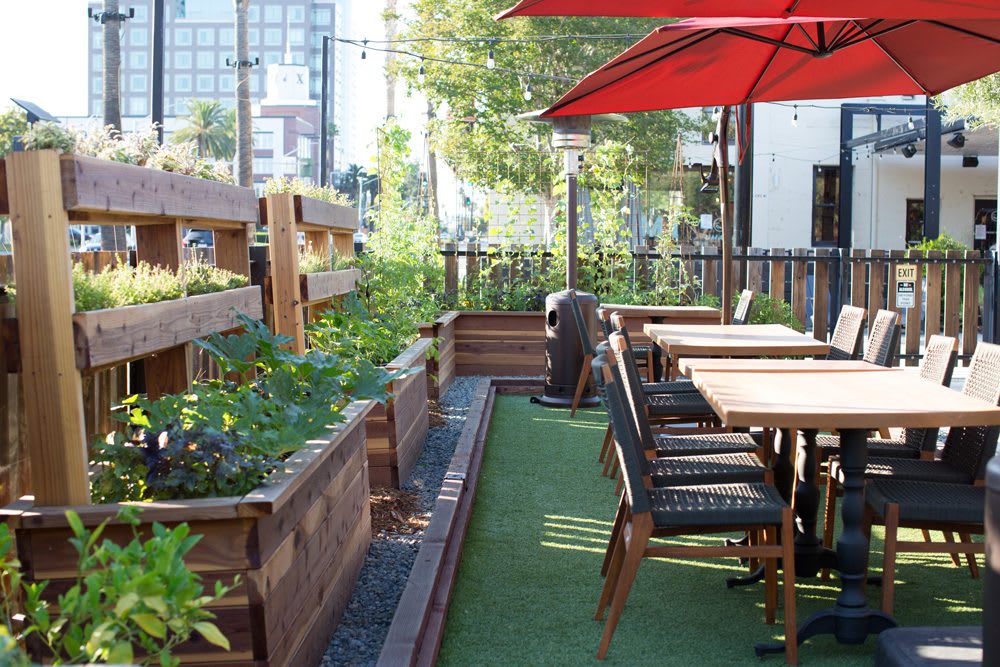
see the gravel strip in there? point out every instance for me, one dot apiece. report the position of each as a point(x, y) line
point(362, 630)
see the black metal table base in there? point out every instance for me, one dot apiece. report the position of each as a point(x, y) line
point(849, 626)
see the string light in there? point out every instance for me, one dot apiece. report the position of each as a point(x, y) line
point(909, 122)
point(421, 73)
point(527, 92)
point(491, 61)
point(364, 54)
point(795, 117)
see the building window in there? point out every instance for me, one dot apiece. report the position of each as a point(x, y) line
point(96, 62)
point(316, 39)
point(226, 36)
point(228, 103)
point(96, 39)
point(206, 37)
point(321, 17)
point(272, 13)
point(272, 37)
point(137, 84)
point(182, 36)
point(206, 83)
point(254, 36)
point(263, 140)
point(914, 220)
point(206, 59)
point(137, 60)
point(137, 106)
point(96, 108)
point(97, 85)
point(314, 85)
point(140, 14)
point(254, 84)
point(227, 83)
point(316, 63)
point(263, 165)
point(182, 59)
point(296, 14)
point(296, 36)
point(180, 109)
point(182, 83)
point(826, 201)
point(253, 13)
point(272, 57)
point(137, 37)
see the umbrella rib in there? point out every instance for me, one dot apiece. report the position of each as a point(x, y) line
point(564, 103)
point(965, 31)
point(770, 61)
point(898, 64)
point(767, 40)
point(805, 33)
point(690, 39)
point(865, 36)
point(836, 37)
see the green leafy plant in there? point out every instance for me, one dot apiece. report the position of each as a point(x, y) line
point(137, 596)
point(765, 310)
point(352, 332)
point(943, 243)
point(203, 278)
point(312, 261)
point(297, 186)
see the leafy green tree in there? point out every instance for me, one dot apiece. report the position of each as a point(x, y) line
point(13, 123)
point(478, 136)
point(211, 127)
point(978, 100)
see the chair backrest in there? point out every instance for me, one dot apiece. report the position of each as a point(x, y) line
point(581, 325)
point(634, 467)
point(883, 339)
point(597, 365)
point(618, 322)
point(743, 308)
point(937, 366)
point(604, 317)
point(968, 448)
point(847, 335)
point(631, 390)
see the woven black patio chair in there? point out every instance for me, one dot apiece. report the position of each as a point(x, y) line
point(672, 387)
point(966, 448)
point(649, 356)
point(588, 352)
point(845, 344)
point(899, 504)
point(645, 513)
point(883, 339)
point(744, 308)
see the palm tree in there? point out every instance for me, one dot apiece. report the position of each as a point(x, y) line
point(211, 127)
point(112, 61)
point(244, 122)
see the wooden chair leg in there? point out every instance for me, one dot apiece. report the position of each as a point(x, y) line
point(619, 485)
point(829, 519)
point(606, 445)
point(889, 557)
point(618, 547)
point(770, 577)
point(581, 383)
point(927, 535)
point(614, 468)
point(642, 528)
point(621, 517)
point(970, 558)
point(788, 564)
point(650, 375)
point(950, 537)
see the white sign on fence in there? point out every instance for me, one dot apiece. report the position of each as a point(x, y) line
point(906, 283)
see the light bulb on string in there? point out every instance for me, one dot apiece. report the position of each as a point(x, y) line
point(491, 61)
point(421, 73)
point(364, 54)
point(909, 122)
point(527, 92)
point(795, 116)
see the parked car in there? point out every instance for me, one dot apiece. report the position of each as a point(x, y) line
point(199, 238)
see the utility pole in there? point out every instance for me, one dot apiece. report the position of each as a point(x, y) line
point(324, 103)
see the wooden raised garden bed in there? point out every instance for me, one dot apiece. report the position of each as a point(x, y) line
point(441, 367)
point(325, 227)
point(491, 343)
point(297, 542)
point(397, 430)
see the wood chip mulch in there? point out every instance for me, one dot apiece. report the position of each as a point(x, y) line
point(396, 511)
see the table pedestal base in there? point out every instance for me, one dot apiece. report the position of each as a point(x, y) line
point(849, 626)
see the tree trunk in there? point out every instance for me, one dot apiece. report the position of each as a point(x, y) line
point(112, 65)
point(390, 74)
point(112, 238)
point(432, 169)
point(244, 121)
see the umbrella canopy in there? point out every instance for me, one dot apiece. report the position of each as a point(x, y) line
point(925, 9)
point(702, 62)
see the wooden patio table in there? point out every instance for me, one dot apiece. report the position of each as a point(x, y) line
point(732, 340)
point(693, 364)
point(659, 314)
point(853, 403)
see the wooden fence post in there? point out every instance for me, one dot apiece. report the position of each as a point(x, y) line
point(913, 315)
point(970, 305)
point(709, 271)
point(895, 257)
point(821, 295)
point(51, 382)
point(471, 264)
point(858, 278)
point(952, 293)
point(876, 284)
point(776, 288)
point(800, 269)
point(932, 316)
point(282, 232)
point(450, 269)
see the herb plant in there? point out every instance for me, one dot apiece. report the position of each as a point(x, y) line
point(312, 261)
point(140, 596)
point(352, 332)
point(297, 186)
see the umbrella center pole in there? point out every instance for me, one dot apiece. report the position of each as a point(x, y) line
point(721, 141)
point(572, 169)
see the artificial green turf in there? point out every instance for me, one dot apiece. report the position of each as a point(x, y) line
point(530, 571)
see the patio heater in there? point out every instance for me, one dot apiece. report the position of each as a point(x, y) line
point(563, 348)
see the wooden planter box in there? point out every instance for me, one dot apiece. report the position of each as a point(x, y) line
point(320, 287)
point(297, 543)
point(441, 368)
point(491, 343)
point(397, 430)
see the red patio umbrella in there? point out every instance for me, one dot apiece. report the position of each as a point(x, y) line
point(728, 61)
point(926, 9)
